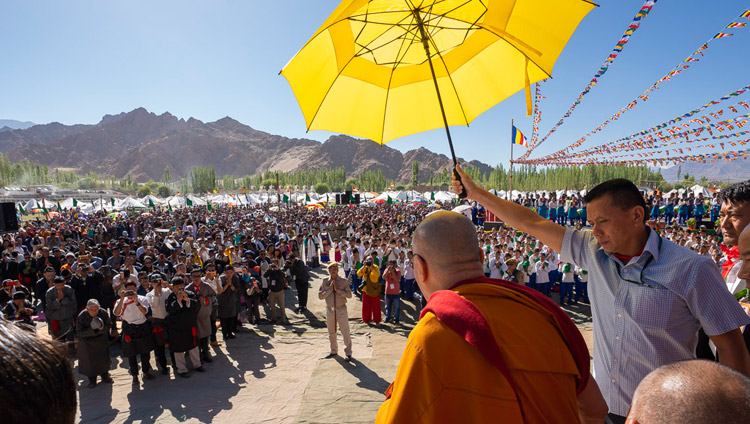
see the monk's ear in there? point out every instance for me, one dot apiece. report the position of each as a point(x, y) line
point(420, 268)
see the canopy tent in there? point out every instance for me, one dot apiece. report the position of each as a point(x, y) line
point(394, 195)
point(129, 203)
point(442, 196)
point(32, 204)
point(154, 199)
point(699, 189)
point(68, 204)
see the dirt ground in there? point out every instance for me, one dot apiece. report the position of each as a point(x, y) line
point(271, 374)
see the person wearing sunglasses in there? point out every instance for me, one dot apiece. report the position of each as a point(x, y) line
point(649, 296)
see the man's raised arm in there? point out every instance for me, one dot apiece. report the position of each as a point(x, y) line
point(515, 215)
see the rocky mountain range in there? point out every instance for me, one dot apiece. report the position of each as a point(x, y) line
point(142, 144)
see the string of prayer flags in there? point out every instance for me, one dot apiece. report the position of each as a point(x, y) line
point(632, 27)
point(639, 135)
point(681, 67)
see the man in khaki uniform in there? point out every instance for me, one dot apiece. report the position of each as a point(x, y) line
point(336, 309)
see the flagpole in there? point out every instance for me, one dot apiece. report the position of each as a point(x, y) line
point(510, 192)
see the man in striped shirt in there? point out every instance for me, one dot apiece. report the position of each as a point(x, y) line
point(649, 296)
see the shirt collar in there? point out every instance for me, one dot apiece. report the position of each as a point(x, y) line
point(652, 247)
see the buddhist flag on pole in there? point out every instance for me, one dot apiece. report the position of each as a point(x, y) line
point(517, 137)
point(722, 35)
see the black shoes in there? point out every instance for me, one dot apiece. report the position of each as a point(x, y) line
point(206, 359)
point(348, 358)
point(184, 375)
point(330, 355)
point(147, 376)
point(200, 369)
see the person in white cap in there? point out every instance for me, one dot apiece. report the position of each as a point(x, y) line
point(335, 290)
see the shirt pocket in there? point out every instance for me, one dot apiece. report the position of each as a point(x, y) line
point(651, 307)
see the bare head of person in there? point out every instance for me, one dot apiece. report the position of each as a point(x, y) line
point(446, 251)
point(617, 214)
point(735, 211)
point(691, 392)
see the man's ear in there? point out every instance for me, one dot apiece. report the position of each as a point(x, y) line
point(420, 268)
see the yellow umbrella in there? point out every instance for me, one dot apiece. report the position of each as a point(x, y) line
point(383, 69)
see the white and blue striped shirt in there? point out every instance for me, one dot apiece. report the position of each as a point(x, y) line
point(644, 323)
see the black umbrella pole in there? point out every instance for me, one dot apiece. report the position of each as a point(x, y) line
point(426, 45)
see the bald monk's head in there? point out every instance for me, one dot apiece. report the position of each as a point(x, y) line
point(700, 392)
point(744, 247)
point(446, 251)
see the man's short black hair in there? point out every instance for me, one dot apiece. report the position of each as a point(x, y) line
point(736, 193)
point(36, 379)
point(623, 194)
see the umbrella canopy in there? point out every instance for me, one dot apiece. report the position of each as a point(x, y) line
point(116, 215)
point(383, 69)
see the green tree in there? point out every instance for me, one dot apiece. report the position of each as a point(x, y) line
point(163, 191)
point(322, 188)
point(145, 190)
point(166, 178)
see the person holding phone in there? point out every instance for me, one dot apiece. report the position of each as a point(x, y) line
point(136, 330)
point(370, 275)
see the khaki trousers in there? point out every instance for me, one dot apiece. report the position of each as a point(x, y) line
point(179, 359)
point(277, 298)
point(340, 317)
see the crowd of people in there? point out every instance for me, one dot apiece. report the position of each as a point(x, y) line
point(168, 281)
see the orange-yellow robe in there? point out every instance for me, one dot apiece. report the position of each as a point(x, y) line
point(443, 379)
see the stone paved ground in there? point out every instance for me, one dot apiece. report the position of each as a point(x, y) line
point(271, 374)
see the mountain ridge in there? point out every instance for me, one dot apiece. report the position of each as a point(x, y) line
point(142, 144)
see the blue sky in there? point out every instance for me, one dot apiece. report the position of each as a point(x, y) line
point(73, 61)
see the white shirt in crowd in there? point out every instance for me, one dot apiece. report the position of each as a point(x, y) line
point(157, 303)
point(130, 312)
point(542, 272)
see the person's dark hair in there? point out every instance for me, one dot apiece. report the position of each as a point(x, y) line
point(177, 281)
point(623, 194)
point(36, 379)
point(736, 193)
point(59, 280)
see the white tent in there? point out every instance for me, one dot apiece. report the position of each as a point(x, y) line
point(151, 197)
point(444, 196)
point(98, 205)
point(68, 204)
point(197, 201)
point(128, 203)
point(394, 195)
point(412, 195)
point(699, 189)
point(32, 204)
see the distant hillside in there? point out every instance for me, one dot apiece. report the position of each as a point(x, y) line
point(11, 124)
point(142, 144)
point(737, 170)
